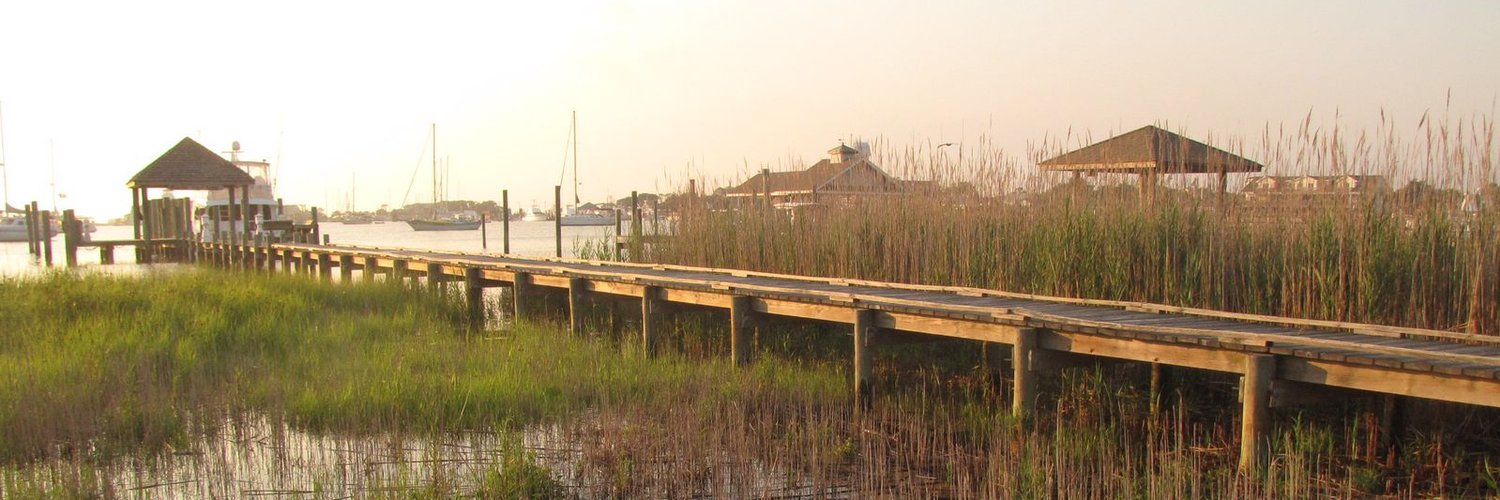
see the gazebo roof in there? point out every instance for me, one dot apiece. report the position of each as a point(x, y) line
point(190, 166)
point(1150, 149)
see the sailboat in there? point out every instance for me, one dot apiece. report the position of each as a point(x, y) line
point(12, 225)
point(460, 222)
point(574, 215)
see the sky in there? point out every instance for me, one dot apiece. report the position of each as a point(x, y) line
point(341, 96)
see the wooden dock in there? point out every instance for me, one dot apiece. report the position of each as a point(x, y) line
point(1282, 361)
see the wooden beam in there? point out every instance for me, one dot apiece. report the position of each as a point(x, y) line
point(1430, 385)
point(947, 327)
point(520, 293)
point(325, 266)
point(1191, 356)
point(346, 268)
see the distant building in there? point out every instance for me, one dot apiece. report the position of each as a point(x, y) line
point(846, 175)
point(1310, 187)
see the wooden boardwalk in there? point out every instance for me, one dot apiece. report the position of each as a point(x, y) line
point(1282, 361)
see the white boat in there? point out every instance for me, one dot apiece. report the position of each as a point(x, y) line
point(536, 215)
point(267, 221)
point(13, 228)
point(572, 216)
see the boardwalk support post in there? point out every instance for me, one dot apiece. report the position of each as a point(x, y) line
point(519, 289)
point(993, 355)
point(1255, 412)
point(71, 235)
point(1023, 394)
point(368, 272)
point(398, 272)
point(741, 319)
point(434, 277)
point(46, 231)
point(651, 307)
point(576, 289)
point(325, 266)
point(864, 333)
point(346, 268)
point(474, 296)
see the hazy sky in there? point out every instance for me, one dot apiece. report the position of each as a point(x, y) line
point(711, 89)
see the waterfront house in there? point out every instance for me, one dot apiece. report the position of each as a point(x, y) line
point(845, 176)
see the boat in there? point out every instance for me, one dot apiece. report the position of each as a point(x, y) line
point(268, 221)
point(461, 222)
point(536, 215)
point(574, 215)
point(13, 228)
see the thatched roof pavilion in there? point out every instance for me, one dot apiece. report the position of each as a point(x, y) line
point(186, 166)
point(190, 166)
point(1150, 151)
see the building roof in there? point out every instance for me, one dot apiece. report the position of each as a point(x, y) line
point(843, 149)
point(190, 166)
point(1150, 149)
point(819, 177)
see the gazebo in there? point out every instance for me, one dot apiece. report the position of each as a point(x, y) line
point(187, 166)
point(1149, 152)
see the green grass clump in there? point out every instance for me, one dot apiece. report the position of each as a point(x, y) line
point(92, 362)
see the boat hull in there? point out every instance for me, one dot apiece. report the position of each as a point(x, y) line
point(432, 225)
point(587, 221)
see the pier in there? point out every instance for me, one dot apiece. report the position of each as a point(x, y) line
point(1280, 361)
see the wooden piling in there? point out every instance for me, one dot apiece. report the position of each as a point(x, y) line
point(520, 291)
point(993, 356)
point(46, 230)
point(32, 245)
point(346, 268)
point(325, 266)
point(106, 254)
point(474, 298)
point(308, 263)
point(576, 288)
point(71, 235)
point(368, 272)
point(1161, 387)
point(1023, 393)
point(1255, 409)
point(864, 334)
point(741, 321)
point(635, 227)
point(651, 307)
point(434, 277)
point(557, 220)
point(398, 271)
point(484, 231)
point(317, 230)
point(505, 220)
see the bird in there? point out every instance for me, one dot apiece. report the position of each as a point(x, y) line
point(945, 144)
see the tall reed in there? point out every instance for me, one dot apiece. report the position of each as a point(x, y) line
point(1421, 255)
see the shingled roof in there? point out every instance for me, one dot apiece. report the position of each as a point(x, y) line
point(1151, 149)
point(190, 166)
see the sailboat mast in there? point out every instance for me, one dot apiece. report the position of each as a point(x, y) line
point(434, 166)
point(574, 129)
point(4, 170)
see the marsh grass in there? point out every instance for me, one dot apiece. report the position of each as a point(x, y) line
point(378, 377)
